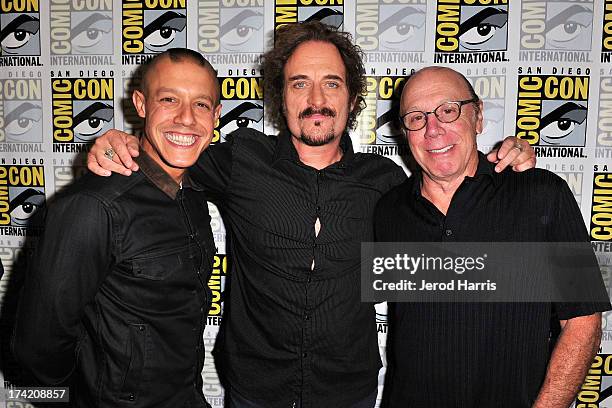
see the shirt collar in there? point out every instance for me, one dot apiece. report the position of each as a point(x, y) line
point(485, 169)
point(159, 177)
point(285, 150)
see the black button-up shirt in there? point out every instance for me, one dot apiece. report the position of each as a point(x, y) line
point(477, 354)
point(291, 331)
point(118, 290)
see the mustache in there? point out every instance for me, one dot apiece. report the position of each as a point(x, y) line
point(309, 111)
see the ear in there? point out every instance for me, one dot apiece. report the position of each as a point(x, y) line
point(138, 99)
point(479, 117)
point(217, 113)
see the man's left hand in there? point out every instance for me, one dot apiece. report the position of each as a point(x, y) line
point(515, 153)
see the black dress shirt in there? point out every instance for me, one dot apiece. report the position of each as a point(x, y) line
point(291, 331)
point(471, 355)
point(117, 291)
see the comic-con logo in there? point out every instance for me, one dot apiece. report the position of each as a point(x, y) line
point(606, 35)
point(21, 110)
point(392, 26)
point(82, 109)
point(19, 32)
point(491, 89)
point(216, 284)
point(330, 12)
point(597, 387)
point(558, 31)
point(603, 141)
point(242, 99)
point(234, 26)
point(378, 124)
point(601, 206)
point(80, 27)
point(471, 31)
point(151, 27)
point(22, 195)
point(552, 113)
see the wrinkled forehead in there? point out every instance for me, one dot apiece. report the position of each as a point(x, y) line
point(433, 87)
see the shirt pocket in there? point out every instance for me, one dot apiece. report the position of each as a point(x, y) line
point(159, 266)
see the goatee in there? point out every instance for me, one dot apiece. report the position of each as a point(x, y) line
point(320, 141)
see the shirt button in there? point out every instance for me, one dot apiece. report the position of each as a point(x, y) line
point(201, 309)
point(140, 328)
point(131, 397)
point(306, 316)
point(318, 208)
point(449, 232)
point(304, 354)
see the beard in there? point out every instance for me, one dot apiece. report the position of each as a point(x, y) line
point(311, 139)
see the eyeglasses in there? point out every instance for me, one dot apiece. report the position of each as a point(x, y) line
point(446, 113)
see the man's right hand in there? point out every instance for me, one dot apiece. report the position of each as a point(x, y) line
point(125, 147)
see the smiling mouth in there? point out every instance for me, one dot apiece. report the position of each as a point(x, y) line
point(180, 139)
point(441, 150)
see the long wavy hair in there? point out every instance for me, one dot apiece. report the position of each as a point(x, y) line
point(287, 39)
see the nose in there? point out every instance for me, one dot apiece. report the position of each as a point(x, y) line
point(185, 116)
point(316, 97)
point(433, 127)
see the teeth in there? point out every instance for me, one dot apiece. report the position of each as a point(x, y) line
point(181, 140)
point(442, 150)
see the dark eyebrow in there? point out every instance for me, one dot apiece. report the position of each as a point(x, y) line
point(396, 18)
point(328, 16)
point(564, 15)
point(176, 20)
point(234, 21)
point(476, 19)
point(101, 110)
point(15, 113)
point(24, 196)
point(238, 111)
point(569, 110)
point(23, 22)
point(85, 24)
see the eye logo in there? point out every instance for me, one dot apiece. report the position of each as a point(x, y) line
point(388, 128)
point(24, 206)
point(92, 33)
point(568, 28)
point(562, 123)
point(23, 122)
point(21, 110)
point(240, 115)
point(483, 29)
point(165, 29)
point(92, 121)
point(19, 34)
point(241, 30)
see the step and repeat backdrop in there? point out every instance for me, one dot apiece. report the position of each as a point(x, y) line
point(542, 68)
